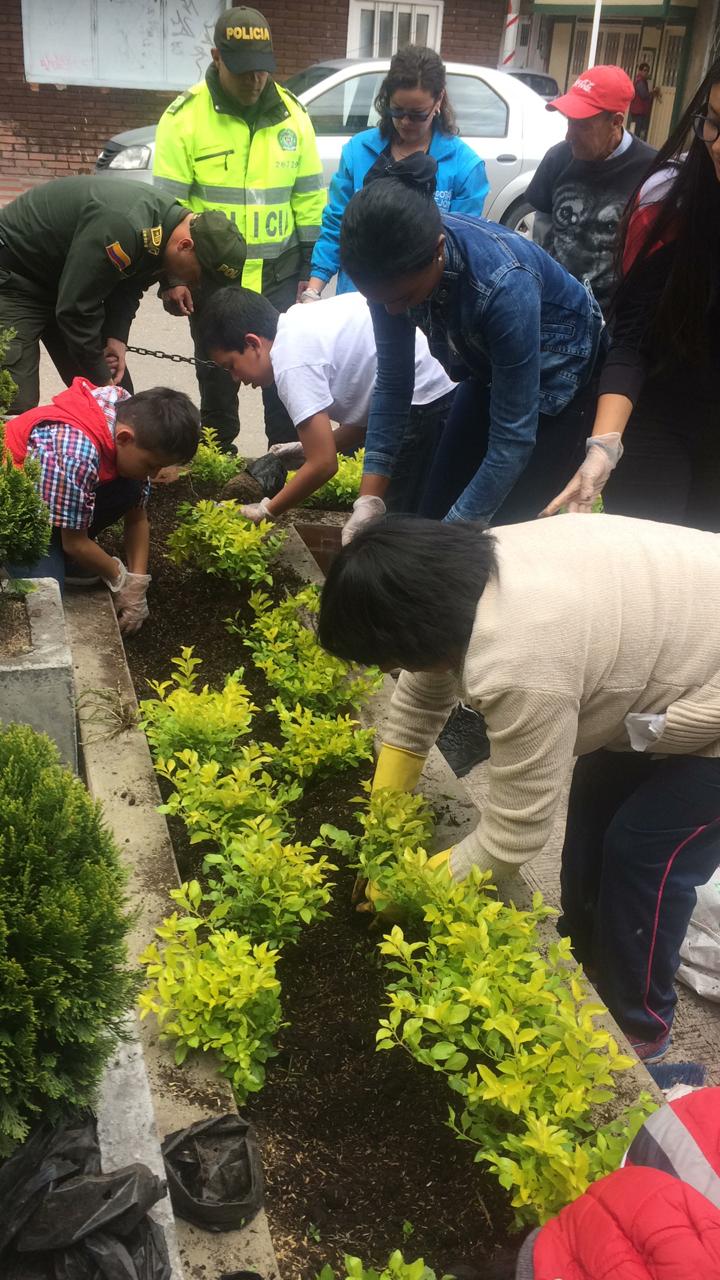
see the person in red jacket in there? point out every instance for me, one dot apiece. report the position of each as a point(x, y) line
point(97, 448)
point(643, 98)
point(657, 1218)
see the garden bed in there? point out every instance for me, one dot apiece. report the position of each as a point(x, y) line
point(358, 1157)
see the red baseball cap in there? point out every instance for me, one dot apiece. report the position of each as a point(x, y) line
point(598, 89)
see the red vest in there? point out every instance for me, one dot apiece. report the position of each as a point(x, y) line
point(75, 407)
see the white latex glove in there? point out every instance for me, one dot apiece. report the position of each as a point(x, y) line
point(116, 584)
point(602, 456)
point(257, 511)
point(365, 509)
point(291, 452)
point(131, 603)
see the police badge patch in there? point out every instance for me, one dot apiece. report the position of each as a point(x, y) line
point(287, 139)
point(152, 240)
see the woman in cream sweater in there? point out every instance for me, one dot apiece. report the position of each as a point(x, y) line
point(593, 641)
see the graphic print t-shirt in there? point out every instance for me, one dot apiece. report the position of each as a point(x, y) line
point(585, 201)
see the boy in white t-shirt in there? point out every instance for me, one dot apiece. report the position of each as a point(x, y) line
point(322, 360)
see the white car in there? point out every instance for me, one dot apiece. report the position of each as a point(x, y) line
point(497, 115)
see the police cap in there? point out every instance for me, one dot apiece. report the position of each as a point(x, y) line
point(221, 249)
point(242, 37)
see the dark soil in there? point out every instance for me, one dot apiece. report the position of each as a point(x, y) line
point(358, 1157)
point(15, 637)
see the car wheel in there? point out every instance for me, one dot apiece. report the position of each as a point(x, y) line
point(520, 217)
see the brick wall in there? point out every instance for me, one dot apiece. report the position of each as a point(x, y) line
point(472, 31)
point(48, 132)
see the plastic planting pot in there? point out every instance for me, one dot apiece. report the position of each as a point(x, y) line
point(214, 1173)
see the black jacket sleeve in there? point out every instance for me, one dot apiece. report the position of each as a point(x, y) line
point(103, 251)
point(631, 354)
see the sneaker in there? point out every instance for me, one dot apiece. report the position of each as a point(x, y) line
point(76, 576)
point(649, 1051)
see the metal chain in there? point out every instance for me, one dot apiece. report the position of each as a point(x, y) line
point(176, 359)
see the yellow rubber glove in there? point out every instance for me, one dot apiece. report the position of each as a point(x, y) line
point(440, 859)
point(391, 914)
point(398, 769)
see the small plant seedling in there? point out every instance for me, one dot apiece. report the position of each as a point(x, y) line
point(210, 465)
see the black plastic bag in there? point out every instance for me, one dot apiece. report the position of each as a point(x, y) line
point(62, 1218)
point(270, 473)
point(214, 1173)
point(463, 740)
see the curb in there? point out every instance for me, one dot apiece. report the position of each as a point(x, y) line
point(145, 1095)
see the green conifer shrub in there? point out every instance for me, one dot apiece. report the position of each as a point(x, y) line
point(65, 986)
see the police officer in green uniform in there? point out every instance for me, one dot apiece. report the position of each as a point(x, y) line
point(76, 255)
point(241, 143)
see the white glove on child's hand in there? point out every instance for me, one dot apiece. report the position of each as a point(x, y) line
point(131, 604)
point(118, 582)
point(603, 454)
point(365, 509)
point(257, 511)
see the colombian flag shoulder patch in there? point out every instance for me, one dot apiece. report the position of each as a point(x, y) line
point(117, 255)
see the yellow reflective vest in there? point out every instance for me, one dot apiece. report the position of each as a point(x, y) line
point(268, 179)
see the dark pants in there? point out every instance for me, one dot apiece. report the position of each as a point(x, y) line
point(559, 450)
point(641, 124)
point(30, 311)
point(112, 501)
point(426, 424)
point(641, 835)
point(218, 392)
point(670, 469)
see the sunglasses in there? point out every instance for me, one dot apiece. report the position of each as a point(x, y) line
point(705, 129)
point(415, 117)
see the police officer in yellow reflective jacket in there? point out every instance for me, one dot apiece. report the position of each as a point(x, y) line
point(241, 143)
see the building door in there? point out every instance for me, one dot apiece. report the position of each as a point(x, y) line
point(666, 79)
point(618, 45)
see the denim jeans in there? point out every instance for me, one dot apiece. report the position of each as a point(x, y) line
point(641, 835)
point(557, 453)
point(112, 501)
point(413, 463)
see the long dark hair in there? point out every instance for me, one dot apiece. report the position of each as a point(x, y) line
point(689, 216)
point(415, 67)
point(404, 592)
point(392, 226)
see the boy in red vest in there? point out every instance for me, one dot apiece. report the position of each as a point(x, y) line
point(98, 448)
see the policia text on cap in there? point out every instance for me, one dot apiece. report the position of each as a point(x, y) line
point(241, 143)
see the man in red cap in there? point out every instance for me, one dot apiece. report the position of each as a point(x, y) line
point(582, 185)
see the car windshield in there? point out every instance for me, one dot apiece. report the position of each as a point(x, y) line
point(303, 80)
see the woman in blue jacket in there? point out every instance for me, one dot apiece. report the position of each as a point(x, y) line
point(519, 333)
point(415, 115)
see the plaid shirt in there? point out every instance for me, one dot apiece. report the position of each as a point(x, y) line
point(70, 465)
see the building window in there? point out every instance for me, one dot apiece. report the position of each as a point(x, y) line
point(141, 44)
point(581, 44)
point(378, 30)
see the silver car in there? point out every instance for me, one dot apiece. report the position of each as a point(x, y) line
point(497, 115)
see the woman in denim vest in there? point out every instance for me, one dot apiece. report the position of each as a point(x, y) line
point(518, 332)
